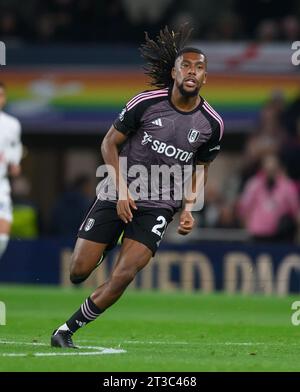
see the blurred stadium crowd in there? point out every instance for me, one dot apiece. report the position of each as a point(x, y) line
point(263, 194)
point(117, 21)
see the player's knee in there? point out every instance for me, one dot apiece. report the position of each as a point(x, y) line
point(75, 279)
point(78, 270)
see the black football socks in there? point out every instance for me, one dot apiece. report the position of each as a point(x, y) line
point(87, 312)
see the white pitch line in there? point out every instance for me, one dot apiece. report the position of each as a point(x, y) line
point(84, 353)
point(104, 351)
point(196, 343)
point(140, 342)
point(147, 342)
point(246, 343)
point(160, 342)
point(154, 342)
point(46, 345)
point(99, 350)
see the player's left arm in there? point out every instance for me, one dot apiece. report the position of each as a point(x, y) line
point(204, 156)
point(14, 151)
point(186, 220)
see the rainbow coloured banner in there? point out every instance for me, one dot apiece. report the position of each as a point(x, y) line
point(88, 100)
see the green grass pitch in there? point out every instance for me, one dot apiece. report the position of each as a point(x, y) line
point(156, 331)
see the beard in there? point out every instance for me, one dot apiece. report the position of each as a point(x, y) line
point(188, 94)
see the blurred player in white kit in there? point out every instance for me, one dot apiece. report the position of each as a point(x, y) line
point(10, 157)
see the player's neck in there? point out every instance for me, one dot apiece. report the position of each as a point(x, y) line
point(185, 104)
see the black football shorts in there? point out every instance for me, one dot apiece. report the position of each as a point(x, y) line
point(103, 225)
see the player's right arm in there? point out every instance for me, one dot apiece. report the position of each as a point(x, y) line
point(110, 153)
point(127, 123)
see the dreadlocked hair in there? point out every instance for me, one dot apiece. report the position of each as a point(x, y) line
point(161, 54)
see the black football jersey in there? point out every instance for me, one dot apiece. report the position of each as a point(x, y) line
point(160, 134)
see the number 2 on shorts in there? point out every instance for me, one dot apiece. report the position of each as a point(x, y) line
point(163, 224)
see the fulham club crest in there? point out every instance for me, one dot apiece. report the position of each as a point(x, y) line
point(89, 224)
point(193, 135)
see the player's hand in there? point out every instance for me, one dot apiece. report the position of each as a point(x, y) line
point(186, 223)
point(124, 209)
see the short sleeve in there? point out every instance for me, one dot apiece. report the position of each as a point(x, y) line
point(209, 150)
point(128, 120)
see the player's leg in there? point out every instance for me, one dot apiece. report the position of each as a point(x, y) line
point(142, 237)
point(99, 231)
point(4, 235)
point(85, 258)
point(132, 258)
point(141, 240)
